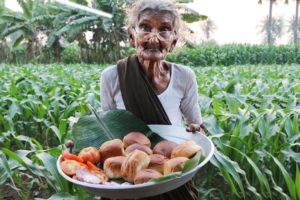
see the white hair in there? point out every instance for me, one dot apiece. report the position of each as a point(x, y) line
point(139, 6)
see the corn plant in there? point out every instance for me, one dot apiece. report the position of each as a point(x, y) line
point(36, 103)
point(251, 112)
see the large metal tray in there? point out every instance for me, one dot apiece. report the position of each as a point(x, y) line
point(168, 132)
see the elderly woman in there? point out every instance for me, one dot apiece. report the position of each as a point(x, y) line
point(156, 91)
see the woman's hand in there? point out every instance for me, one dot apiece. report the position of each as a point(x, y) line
point(196, 127)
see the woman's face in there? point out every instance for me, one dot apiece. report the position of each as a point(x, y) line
point(153, 37)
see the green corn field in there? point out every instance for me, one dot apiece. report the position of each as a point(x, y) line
point(251, 113)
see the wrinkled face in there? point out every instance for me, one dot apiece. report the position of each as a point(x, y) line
point(153, 36)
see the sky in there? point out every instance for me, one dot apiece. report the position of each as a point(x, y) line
point(237, 21)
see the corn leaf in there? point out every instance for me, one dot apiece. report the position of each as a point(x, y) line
point(53, 177)
point(288, 180)
point(65, 196)
point(297, 182)
point(263, 182)
point(4, 169)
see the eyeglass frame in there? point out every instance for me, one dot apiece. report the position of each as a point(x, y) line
point(156, 32)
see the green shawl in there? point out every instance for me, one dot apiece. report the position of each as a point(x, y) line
point(137, 93)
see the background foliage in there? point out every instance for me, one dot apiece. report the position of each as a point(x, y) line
point(236, 54)
point(43, 29)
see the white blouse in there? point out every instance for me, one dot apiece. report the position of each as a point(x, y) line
point(180, 99)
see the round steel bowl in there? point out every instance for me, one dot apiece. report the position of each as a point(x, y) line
point(168, 132)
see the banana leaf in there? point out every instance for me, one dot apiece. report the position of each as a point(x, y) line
point(186, 166)
point(88, 131)
point(190, 15)
point(166, 177)
point(193, 162)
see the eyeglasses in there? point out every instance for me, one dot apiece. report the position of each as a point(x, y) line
point(162, 35)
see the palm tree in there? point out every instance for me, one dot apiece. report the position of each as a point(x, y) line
point(271, 2)
point(293, 30)
point(275, 32)
point(208, 27)
point(294, 23)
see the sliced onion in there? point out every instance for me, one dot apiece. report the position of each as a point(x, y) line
point(86, 176)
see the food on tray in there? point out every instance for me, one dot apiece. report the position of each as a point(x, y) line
point(112, 166)
point(140, 147)
point(97, 171)
point(111, 148)
point(157, 162)
point(136, 137)
point(135, 161)
point(146, 175)
point(131, 159)
point(85, 175)
point(90, 154)
point(174, 165)
point(186, 149)
point(69, 156)
point(164, 148)
point(70, 167)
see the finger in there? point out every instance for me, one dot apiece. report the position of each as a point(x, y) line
point(203, 128)
point(190, 129)
point(196, 127)
point(202, 131)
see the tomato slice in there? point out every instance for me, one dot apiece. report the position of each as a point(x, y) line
point(92, 167)
point(90, 154)
point(69, 156)
point(70, 167)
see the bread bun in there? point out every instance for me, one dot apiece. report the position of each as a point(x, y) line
point(174, 165)
point(164, 148)
point(112, 166)
point(146, 175)
point(136, 137)
point(111, 148)
point(186, 149)
point(157, 162)
point(136, 161)
point(140, 147)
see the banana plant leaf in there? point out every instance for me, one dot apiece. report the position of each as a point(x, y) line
point(166, 177)
point(190, 15)
point(185, 1)
point(193, 162)
point(186, 166)
point(88, 131)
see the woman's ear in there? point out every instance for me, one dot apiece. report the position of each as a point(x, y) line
point(131, 37)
